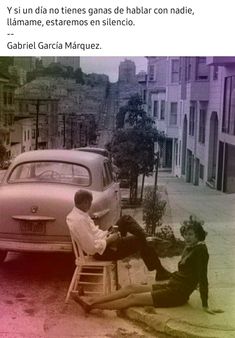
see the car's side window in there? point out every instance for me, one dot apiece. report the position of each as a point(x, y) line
point(107, 174)
point(105, 177)
point(110, 170)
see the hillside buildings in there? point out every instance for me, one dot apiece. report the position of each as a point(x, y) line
point(7, 109)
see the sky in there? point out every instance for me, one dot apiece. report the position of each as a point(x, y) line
point(109, 65)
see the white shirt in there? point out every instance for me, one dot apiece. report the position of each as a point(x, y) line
point(91, 238)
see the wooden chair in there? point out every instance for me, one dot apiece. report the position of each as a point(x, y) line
point(92, 274)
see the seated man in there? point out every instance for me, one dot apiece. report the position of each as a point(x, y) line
point(108, 245)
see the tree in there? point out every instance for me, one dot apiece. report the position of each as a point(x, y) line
point(153, 209)
point(120, 118)
point(79, 76)
point(3, 153)
point(132, 147)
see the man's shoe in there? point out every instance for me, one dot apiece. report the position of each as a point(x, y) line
point(163, 275)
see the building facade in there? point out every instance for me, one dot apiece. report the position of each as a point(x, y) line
point(196, 110)
point(7, 110)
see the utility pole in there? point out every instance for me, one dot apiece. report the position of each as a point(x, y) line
point(156, 177)
point(71, 132)
point(64, 132)
point(37, 127)
point(37, 102)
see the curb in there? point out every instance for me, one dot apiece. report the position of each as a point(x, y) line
point(175, 328)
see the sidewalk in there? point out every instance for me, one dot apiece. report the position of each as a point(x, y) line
point(218, 212)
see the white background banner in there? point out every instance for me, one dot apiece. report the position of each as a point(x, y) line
point(106, 27)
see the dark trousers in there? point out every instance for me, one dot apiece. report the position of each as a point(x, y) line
point(130, 244)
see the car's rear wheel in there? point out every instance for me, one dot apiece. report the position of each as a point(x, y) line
point(2, 256)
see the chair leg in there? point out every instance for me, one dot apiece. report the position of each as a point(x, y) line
point(76, 282)
point(73, 281)
point(108, 279)
point(116, 275)
point(104, 280)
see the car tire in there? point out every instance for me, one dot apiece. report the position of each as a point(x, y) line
point(2, 256)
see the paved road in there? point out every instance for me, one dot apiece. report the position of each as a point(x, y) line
point(32, 293)
point(108, 116)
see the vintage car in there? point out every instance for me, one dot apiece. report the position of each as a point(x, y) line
point(37, 192)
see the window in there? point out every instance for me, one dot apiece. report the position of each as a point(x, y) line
point(176, 152)
point(28, 132)
point(5, 98)
point(162, 111)
point(144, 96)
point(202, 70)
point(188, 68)
point(202, 126)
point(173, 113)
point(5, 120)
point(107, 174)
point(10, 98)
point(175, 71)
point(151, 73)
point(228, 124)
point(215, 72)
point(201, 171)
point(33, 133)
point(155, 109)
point(191, 120)
point(10, 119)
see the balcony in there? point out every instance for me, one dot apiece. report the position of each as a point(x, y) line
point(220, 60)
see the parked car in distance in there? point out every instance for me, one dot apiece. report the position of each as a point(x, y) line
point(37, 192)
point(100, 151)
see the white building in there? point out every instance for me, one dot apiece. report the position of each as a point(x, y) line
point(23, 136)
point(163, 104)
point(196, 110)
point(222, 123)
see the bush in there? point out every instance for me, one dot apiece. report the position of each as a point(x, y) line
point(153, 209)
point(165, 232)
point(3, 154)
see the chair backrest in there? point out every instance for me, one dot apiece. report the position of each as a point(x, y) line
point(79, 254)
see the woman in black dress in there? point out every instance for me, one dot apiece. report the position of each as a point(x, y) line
point(192, 271)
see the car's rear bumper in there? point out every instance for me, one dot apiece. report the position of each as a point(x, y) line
point(35, 247)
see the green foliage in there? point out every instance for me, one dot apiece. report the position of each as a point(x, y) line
point(120, 118)
point(153, 209)
point(56, 70)
point(5, 62)
point(134, 114)
point(166, 233)
point(3, 153)
point(132, 148)
point(78, 76)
